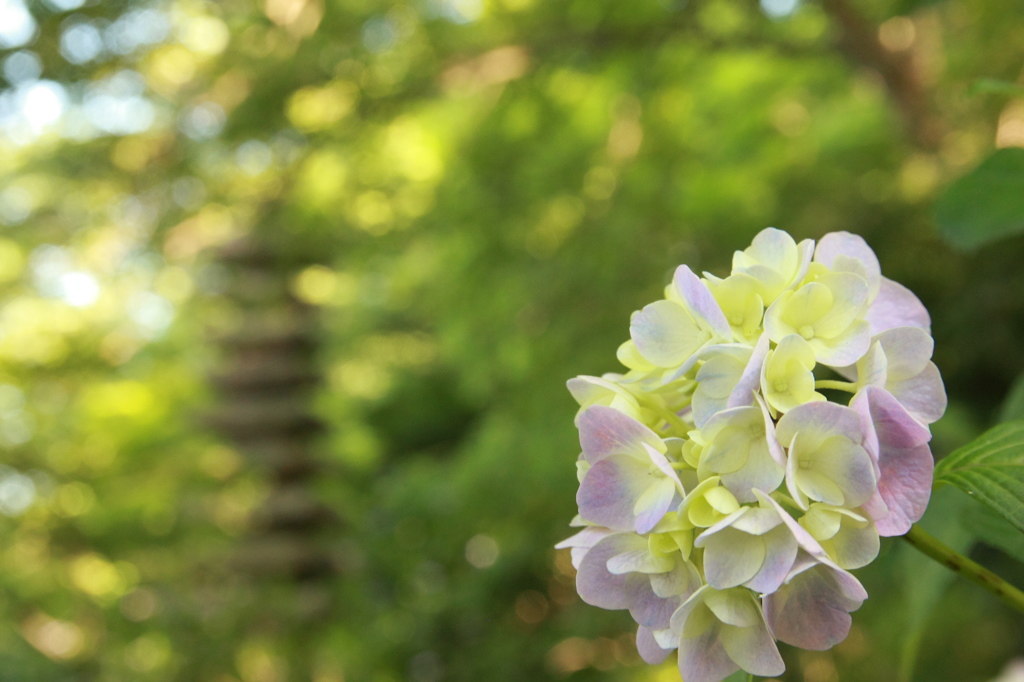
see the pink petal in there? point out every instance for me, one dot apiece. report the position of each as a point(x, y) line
point(904, 459)
point(780, 553)
point(875, 508)
point(774, 447)
point(595, 584)
point(701, 303)
point(661, 461)
point(905, 487)
point(580, 543)
point(646, 607)
point(812, 611)
point(683, 580)
point(804, 539)
point(896, 306)
point(859, 403)
point(704, 658)
point(750, 380)
point(605, 431)
point(610, 490)
point(648, 647)
point(821, 418)
point(892, 422)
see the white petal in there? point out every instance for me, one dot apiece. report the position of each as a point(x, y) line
point(665, 334)
point(836, 247)
point(924, 395)
point(653, 504)
point(701, 304)
point(753, 649)
point(856, 547)
point(683, 580)
point(731, 558)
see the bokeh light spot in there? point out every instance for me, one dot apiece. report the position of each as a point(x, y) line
point(779, 9)
point(203, 121)
point(81, 42)
point(315, 285)
point(482, 551)
point(79, 289)
point(312, 109)
point(22, 66)
point(17, 26)
point(56, 639)
point(17, 492)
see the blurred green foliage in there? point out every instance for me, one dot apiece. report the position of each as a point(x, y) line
point(987, 204)
point(486, 190)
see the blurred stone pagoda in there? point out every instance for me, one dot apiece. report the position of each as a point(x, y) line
point(265, 382)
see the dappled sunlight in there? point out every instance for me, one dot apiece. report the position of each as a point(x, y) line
point(289, 290)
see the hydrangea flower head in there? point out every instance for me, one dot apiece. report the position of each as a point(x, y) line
point(770, 427)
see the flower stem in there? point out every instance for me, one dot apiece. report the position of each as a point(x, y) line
point(958, 563)
point(785, 499)
point(672, 418)
point(836, 385)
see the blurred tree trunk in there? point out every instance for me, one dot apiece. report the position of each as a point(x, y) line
point(859, 41)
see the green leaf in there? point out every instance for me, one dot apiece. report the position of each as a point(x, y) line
point(994, 530)
point(986, 204)
point(991, 468)
point(1013, 404)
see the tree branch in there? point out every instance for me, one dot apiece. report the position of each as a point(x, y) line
point(858, 40)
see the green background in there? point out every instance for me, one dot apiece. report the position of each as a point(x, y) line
point(472, 196)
